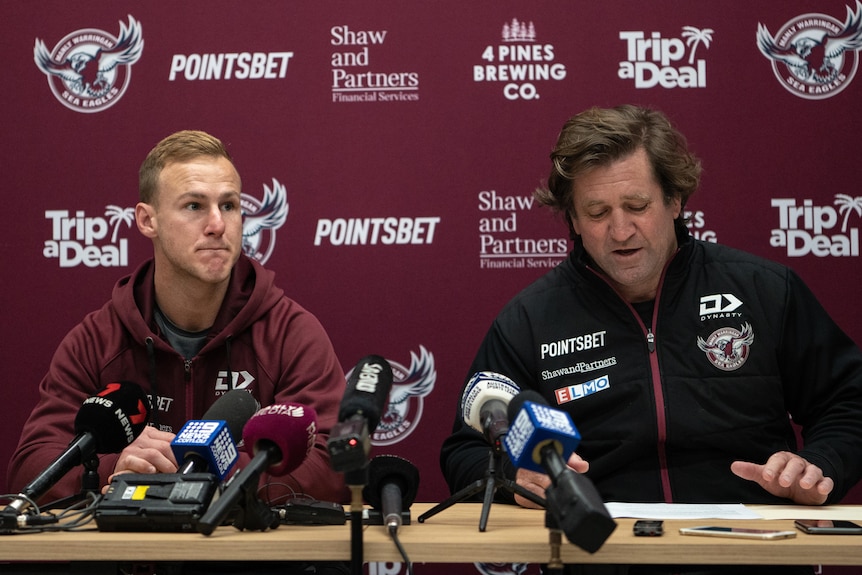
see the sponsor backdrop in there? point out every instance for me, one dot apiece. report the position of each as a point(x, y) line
point(388, 152)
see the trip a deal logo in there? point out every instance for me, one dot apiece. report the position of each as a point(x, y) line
point(814, 56)
point(89, 70)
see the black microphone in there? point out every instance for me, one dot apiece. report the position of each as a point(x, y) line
point(361, 408)
point(484, 404)
point(279, 437)
point(208, 445)
point(106, 423)
point(542, 438)
point(392, 485)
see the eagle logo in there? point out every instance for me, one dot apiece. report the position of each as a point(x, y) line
point(89, 70)
point(406, 398)
point(728, 348)
point(818, 51)
point(263, 216)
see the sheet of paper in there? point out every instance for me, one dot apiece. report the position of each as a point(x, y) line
point(681, 511)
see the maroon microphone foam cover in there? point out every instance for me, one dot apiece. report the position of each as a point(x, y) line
point(289, 427)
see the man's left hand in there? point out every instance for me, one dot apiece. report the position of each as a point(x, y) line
point(788, 475)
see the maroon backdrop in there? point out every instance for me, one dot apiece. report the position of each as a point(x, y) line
point(406, 139)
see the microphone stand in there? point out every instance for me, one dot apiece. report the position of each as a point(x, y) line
point(493, 480)
point(356, 480)
point(555, 541)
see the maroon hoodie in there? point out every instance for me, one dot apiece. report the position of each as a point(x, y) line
point(261, 341)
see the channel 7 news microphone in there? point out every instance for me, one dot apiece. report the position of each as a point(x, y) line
point(484, 404)
point(209, 444)
point(363, 404)
point(106, 423)
point(540, 439)
point(279, 438)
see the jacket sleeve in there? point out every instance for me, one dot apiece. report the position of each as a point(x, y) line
point(50, 427)
point(823, 370)
point(465, 453)
point(311, 375)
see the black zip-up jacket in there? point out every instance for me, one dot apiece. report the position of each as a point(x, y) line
point(736, 346)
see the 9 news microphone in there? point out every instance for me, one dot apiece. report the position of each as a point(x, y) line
point(541, 438)
point(279, 437)
point(106, 423)
point(392, 486)
point(361, 407)
point(208, 445)
point(484, 404)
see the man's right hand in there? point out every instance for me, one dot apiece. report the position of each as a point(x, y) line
point(538, 482)
point(150, 452)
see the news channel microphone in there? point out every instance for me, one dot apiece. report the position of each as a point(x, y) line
point(541, 439)
point(362, 406)
point(392, 485)
point(208, 445)
point(484, 404)
point(106, 423)
point(279, 438)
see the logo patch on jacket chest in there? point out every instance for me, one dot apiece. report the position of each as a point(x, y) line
point(727, 348)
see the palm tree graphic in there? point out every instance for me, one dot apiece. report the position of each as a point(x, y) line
point(847, 204)
point(694, 36)
point(117, 215)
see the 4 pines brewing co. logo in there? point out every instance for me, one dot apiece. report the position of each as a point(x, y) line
point(89, 70)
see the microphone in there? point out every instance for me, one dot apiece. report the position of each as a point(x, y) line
point(279, 438)
point(361, 407)
point(209, 444)
point(484, 403)
point(392, 485)
point(106, 423)
point(541, 438)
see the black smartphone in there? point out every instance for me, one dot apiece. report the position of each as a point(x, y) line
point(648, 528)
point(828, 526)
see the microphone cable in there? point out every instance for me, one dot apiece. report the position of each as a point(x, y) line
point(73, 518)
point(393, 532)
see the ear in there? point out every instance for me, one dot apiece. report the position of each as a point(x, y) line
point(145, 217)
point(573, 222)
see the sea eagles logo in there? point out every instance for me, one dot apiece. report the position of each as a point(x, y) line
point(727, 349)
point(501, 568)
point(409, 388)
point(89, 70)
point(259, 217)
point(814, 56)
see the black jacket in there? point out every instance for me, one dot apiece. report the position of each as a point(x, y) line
point(735, 347)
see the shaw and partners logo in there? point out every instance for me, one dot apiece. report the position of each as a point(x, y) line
point(260, 220)
point(89, 70)
point(803, 229)
point(92, 241)
point(814, 56)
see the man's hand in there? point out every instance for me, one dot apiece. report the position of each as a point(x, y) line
point(788, 475)
point(538, 482)
point(150, 452)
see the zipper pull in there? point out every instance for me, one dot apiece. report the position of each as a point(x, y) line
point(188, 369)
point(650, 339)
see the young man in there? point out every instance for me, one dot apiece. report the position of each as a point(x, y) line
point(674, 403)
point(186, 326)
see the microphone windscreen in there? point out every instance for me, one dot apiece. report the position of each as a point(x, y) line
point(367, 390)
point(483, 387)
point(235, 408)
point(289, 427)
point(115, 416)
point(385, 469)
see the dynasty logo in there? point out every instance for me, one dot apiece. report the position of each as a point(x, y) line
point(89, 70)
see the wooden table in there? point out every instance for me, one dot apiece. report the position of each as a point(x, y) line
point(513, 534)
